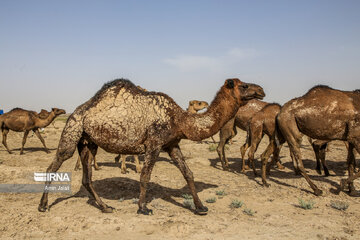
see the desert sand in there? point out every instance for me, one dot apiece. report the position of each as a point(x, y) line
point(266, 213)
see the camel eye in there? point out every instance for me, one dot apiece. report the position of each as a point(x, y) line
point(245, 86)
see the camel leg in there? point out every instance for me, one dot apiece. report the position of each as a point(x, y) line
point(177, 157)
point(255, 135)
point(243, 150)
point(26, 133)
point(352, 176)
point(275, 158)
point(77, 165)
point(123, 164)
point(150, 159)
point(4, 133)
point(87, 153)
point(96, 166)
point(137, 163)
point(320, 153)
point(221, 150)
point(37, 133)
point(212, 138)
point(117, 158)
point(270, 149)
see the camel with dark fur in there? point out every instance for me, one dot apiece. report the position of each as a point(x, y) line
point(262, 122)
point(241, 120)
point(123, 119)
point(322, 113)
point(20, 120)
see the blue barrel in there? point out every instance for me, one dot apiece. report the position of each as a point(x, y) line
point(1, 112)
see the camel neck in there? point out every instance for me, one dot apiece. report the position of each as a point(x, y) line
point(41, 123)
point(200, 126)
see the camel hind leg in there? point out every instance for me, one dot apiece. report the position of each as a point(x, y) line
point(226, 133)
point(5, 133)
point(293, 137)
point(243, 150)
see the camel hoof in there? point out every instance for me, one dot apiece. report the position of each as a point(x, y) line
point(47, 151)
point(246, 167)
point(97, 168)
point(145, 211)
point(318, 192)
point(10, 152)
point(138, 170)
point(266, 184)
point(108, 209)
point(280, 166)
point(21, 153)
point(124, 172)
point(318, 171)
point(42, 208)
point(201, 211)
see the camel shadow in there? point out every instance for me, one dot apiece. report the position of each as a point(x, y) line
point(130, 159)
point(124, 188)
point(33, 149)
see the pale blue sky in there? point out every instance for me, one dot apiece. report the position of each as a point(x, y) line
point(59, 53)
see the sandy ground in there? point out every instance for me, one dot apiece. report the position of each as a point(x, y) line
point(277, 214)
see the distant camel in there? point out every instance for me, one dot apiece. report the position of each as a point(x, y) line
point(21, 120)
point(322, 113)
point(242, 121)
point(123, 119)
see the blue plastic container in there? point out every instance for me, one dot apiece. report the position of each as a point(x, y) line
point(1, 112)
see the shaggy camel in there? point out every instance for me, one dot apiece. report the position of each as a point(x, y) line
point(262, 122)
point(123, 119)
point(21, 120)
point(241, 120)
point(117, 158)
point(322, 113)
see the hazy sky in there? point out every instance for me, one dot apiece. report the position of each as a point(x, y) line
point(59, 53)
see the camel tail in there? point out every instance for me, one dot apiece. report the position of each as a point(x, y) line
point(279, 138)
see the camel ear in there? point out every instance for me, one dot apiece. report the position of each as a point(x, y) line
point(230, 83)
point(53, 109)
point(190, 103)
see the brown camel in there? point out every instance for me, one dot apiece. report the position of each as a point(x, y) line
point(123, 119)
point(241, 120)
point(322, 113)
point(21, 120)
point(262, 122)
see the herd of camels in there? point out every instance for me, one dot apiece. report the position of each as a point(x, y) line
point(125, 119)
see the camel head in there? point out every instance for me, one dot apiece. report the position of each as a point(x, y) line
point(198, 105)
point(58, 111)
point(244, 91)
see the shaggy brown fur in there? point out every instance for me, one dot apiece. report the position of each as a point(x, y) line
point(325, 114)
point(262, 122)
point(123, 119)
point(241, 120)
point(21, 120)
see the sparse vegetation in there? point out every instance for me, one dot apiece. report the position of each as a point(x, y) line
point(212, 147)
point(121, 199)
point(249, 212)
point(339, 205)
point(211, 200)
point(187, 196)
point(307, 205)
point(189, 203)
point(236, 204)
point(135, 200)
point(220, 193)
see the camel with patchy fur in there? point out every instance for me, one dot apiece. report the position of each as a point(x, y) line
point(123, 119)
point(241, 120)
point(322, 113)
point(20, 120)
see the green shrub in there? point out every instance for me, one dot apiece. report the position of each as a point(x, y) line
point(212, 147)
point(236, 204)
point(220, 193)
point(187, 196)
point(339, 205)
point(211, 200)
point(249, 212)
point(189, 203)
point(306, 204)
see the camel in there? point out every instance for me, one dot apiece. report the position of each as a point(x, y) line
point(21, 120)
point(322, 113)
point(123, 119)
point(261, 123)
point(241, 120)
